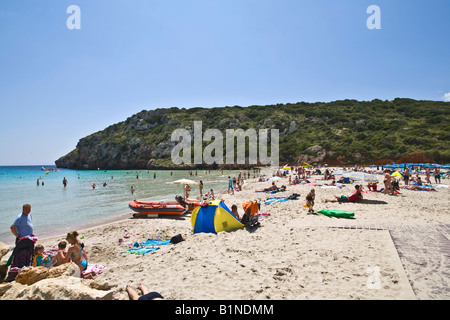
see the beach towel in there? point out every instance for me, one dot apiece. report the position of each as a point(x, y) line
point(262, 216)
point(141, 251)
point(51, 252)
point(96, 268)
point(151, 243)
point(148, 246)
point(331, 187)
point(275, 200)
point(281, 199)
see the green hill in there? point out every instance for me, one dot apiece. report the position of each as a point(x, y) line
point(339, 132)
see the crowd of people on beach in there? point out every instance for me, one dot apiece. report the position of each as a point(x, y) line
point(28, 251)
point(391, 182)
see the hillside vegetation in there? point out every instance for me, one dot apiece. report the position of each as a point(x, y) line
point(339, 132)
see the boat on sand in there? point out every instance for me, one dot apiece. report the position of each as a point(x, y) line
point(175, 208)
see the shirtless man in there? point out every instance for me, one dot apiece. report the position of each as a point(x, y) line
point(406, 176)
point(437, 175)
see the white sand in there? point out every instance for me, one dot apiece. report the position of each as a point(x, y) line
point(293, 255)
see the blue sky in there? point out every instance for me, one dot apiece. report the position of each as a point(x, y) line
point(59, 85)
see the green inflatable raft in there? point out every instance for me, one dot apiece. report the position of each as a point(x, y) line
point(337, 213)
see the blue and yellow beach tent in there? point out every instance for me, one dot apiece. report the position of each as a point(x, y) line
point(213, 218)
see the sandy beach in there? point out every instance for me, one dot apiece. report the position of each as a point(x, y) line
point(292, 255)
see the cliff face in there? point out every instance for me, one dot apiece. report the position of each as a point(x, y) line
point(337, 132)
point(134, 143)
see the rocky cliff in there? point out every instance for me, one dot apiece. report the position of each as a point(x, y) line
point(337, 132)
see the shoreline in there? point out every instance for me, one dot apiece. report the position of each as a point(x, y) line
point(86, 226)
point(82, 226)
point(293, 255)
point(43, 225)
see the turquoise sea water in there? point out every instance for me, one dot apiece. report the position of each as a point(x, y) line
point(54, 207)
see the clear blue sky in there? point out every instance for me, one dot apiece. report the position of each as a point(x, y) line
point(59, 85)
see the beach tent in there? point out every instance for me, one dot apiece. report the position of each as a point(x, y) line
point(213, 218)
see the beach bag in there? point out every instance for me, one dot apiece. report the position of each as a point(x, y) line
point(12, 274)
point(176, 239)
point(293, 196)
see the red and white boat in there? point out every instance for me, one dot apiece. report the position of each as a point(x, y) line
point(162, 208)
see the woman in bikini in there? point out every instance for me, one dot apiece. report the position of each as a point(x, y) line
point(427, 176)
point(75, 251)
point(387, 183)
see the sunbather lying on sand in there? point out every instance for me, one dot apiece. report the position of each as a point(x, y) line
point(273, 188)
point(419, 188)
point(353, 198)
point(146, 294)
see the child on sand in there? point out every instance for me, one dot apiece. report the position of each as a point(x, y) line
point(235, 211)
point(310, 200)
point(61, 254)
point(38, 256)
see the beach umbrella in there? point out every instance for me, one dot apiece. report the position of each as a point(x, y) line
point(397, 174)
point(361, 176)
point(184, 181)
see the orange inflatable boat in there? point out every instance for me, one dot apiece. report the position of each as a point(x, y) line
point(162, 208)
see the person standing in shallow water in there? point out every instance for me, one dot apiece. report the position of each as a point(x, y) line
point(65, 182)
point(187, 191)
point(201, 189)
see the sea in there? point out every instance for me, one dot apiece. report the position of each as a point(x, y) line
point(56, 209)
